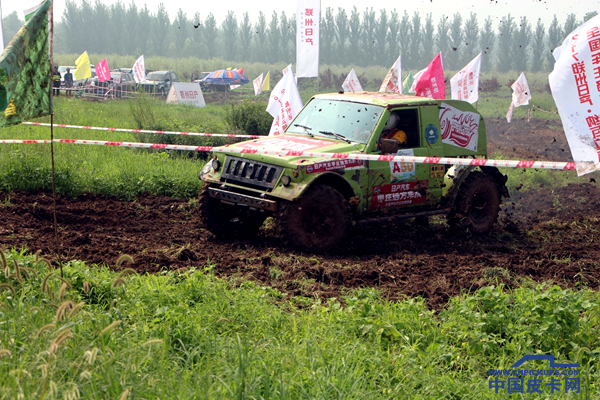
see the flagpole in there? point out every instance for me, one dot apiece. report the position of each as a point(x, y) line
point(51, 59)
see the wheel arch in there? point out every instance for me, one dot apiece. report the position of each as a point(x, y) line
point(336, 181)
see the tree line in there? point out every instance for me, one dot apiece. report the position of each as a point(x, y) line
point(360, 38)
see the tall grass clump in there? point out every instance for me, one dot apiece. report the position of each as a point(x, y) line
point(187, 334)
point(249, 117)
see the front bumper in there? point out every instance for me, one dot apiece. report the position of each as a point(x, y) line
point(237, 199)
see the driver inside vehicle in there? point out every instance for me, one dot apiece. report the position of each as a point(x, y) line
point(394, 129)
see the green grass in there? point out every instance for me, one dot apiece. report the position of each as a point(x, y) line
point(189, 335)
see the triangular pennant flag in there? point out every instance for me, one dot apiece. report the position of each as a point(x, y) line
point(407, 82)
point(431, 82)
point(416, 78)
point(465, 84)
point(25, 72)
point(139, 69)
point(284, 104)
point(392, 82)
point(258, 85)
point(266, 86)
point(83, 69)
point(521, 95)
point(352, 84)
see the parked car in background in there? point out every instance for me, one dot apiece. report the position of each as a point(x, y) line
point(120, 85)
point(159, 82)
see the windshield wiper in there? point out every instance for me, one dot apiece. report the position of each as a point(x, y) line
point(306, 128)
point(337, 135)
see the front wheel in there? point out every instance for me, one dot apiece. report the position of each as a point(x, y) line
point(226, 221)
point(477, 204)
point(318, 222)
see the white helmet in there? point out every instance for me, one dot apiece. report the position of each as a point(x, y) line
point(391, 122)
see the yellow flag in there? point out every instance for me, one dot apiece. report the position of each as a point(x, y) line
point(266, 82)
point(83, 70)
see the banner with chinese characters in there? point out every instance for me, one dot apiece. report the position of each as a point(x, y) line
point(186, 93)
point(521, 95)
point(139, 69)
point(307, 38)
point(393, 80)
point(352, 84)
point(575, 85)
point(431, 82)
point(399, 194)
point(103, 71)
point(465, 84)
point(284, 103)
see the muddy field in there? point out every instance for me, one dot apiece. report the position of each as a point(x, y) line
point(548, 235)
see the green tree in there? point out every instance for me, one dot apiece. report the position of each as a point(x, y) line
point(342, 31)
point(71, 19)
point(570, 24)
point(554, 39)
point(274, 38)
point(99, 41)
point(428, 38)
point(116, 31)
point(327, 33)
point(471, 38)
point(521, 46)
point(589, 15)
point(246, 38)
point(145, 22)
point(538, 47)
point(160, 31)
point(486, 43)
point(181, 30)
point(196, 33)
point(414, 59)
point(131, 30)
point(506, 29)
point(211, 35)
point(404, 40)
point(288, 37)
point(229, 33)
point(442, 39)
point(453, 57)
point(393, 44)
point(368, 39)
point(260, 38)
point(381, 39)
point(354, 37)
point(11, 25)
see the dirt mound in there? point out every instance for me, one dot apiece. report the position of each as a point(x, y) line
point(551, 234)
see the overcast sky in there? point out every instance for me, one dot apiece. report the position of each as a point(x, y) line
point(532, 9)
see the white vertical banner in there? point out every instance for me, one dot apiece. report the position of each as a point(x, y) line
point(575, 85)
point(139, 69)
point(284, 103)
point(258, 85)
point(465, 84)
point(393, 80)
point(352, 84)
point(308, 17)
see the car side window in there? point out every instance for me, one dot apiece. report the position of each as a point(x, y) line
point(174, 75)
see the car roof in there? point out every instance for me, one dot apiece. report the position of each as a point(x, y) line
point(379, 98)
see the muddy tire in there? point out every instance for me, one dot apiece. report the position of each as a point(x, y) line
point(226, 221)
point(477, 204)
point(318, 222)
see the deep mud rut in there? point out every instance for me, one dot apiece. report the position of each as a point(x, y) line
point(547, 235)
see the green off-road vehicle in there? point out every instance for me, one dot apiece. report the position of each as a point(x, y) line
point(316, 201)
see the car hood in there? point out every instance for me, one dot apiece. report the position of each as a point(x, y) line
point(296, 147)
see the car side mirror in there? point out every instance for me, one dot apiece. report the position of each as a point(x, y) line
point(389, 146)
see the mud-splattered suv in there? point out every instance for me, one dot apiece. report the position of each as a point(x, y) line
point(316, 201)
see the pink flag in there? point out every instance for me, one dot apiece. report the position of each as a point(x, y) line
point(431, 82)
point(102, 71)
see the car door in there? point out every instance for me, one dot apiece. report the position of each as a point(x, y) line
point(398, 184)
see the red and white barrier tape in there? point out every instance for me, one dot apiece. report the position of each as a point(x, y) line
point(332, 156)
point(95, 128)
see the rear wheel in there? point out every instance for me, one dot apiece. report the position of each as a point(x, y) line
point(477, 204)
point(227, 221)
point(318, 222)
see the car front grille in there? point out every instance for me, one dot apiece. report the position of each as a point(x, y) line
point(252, 173)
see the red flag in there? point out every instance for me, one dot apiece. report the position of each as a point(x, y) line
point(431, 82)
point(103, 71)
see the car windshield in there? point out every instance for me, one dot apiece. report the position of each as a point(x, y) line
point(354, 121)
point(156, 76)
